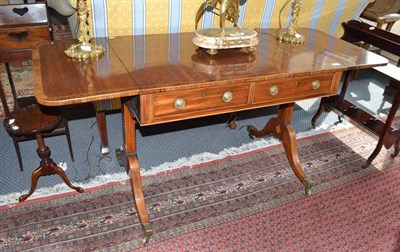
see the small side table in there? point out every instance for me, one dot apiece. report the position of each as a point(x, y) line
point(22, 27)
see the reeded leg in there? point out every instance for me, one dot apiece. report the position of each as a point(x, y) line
point(47, 167)
point(132, 167)
point(282, 128)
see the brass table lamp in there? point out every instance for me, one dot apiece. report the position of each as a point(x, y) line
point(290, 35)
point(84, 49)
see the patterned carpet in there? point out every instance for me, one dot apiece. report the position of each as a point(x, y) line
point(22, 77)
point(250, 201)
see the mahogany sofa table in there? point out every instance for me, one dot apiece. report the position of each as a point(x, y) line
point(165, 78)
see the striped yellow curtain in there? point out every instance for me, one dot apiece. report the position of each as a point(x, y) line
point(130, 17)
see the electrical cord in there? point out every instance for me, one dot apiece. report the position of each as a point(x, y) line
point(91, 172)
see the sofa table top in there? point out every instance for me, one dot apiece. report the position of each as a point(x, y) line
point(135, 65)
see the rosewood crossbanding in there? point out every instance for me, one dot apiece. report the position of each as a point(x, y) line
point(165, 78)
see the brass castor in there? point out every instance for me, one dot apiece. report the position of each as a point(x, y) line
point(308, 183)
point(148, 232)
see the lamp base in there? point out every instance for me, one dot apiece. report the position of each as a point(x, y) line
point(84, 51)
point(290, 37)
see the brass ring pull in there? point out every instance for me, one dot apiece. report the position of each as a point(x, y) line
point(227, 96)
point(179, 103)
point(315, 84)
point(273, 90)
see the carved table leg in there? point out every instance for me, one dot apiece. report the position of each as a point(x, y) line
point(47, 167)
point(132, 167)
point(282, 128)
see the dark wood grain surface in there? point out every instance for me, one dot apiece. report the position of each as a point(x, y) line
point(168, 62)
point(22, 26)
point(60, 81)
point(159, 63)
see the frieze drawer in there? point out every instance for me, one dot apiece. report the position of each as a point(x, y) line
point(177, 105)
point(200, 99)
point(169, 106)
point(295, 89)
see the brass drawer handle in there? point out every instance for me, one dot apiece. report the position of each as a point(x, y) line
point(273, 90)
point(315, 84)
point(179, 103)
point(227, 96)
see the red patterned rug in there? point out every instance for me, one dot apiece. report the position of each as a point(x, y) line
point(250, 201)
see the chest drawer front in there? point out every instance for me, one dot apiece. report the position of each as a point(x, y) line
point(22, 14)
point(23, 37)
point(275, 90)
point(178, 102)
